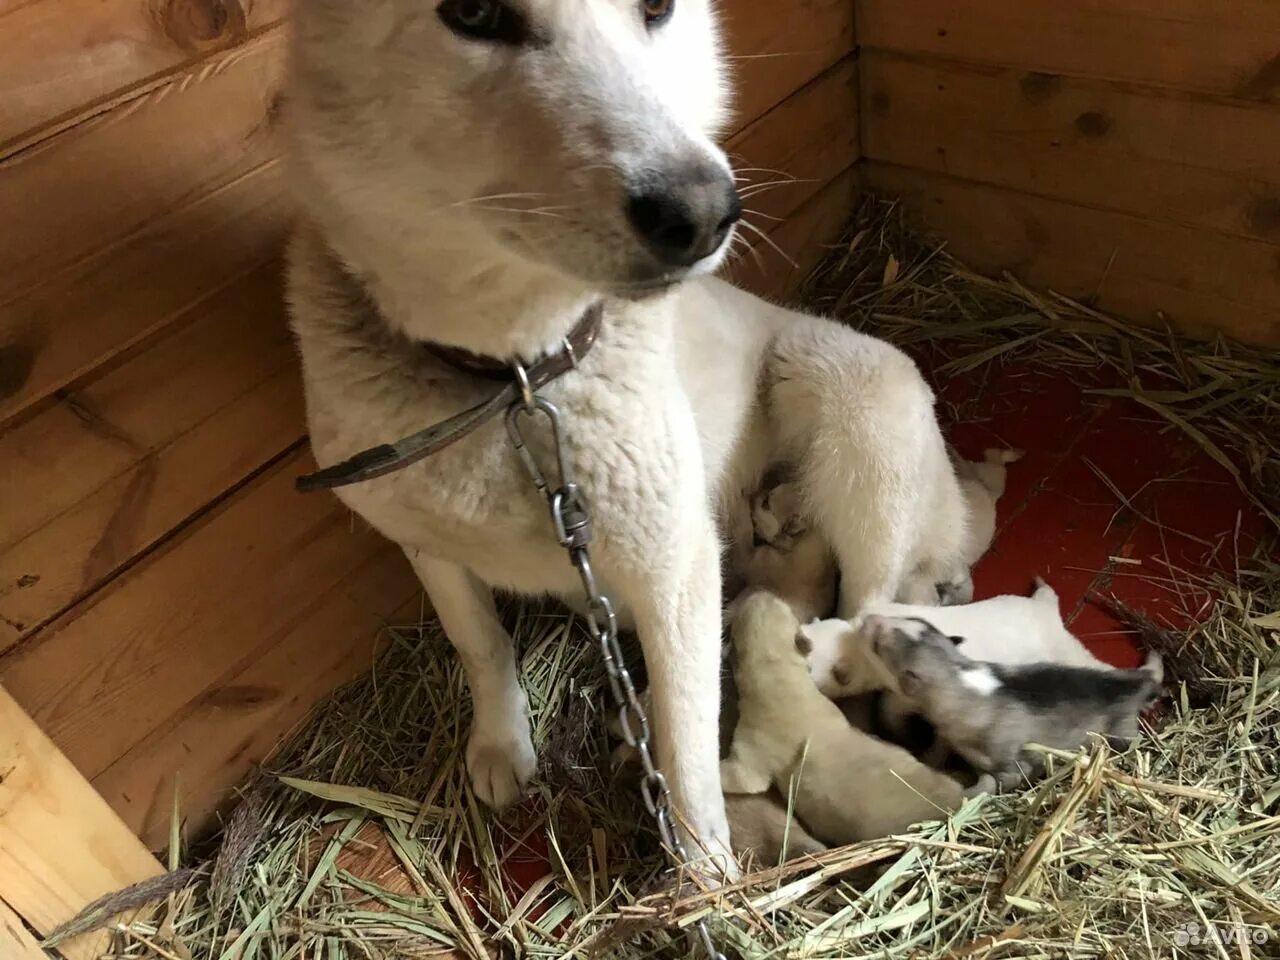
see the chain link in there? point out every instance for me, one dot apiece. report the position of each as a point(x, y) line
point(572, 521)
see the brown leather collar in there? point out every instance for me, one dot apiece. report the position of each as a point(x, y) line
point(390, 457)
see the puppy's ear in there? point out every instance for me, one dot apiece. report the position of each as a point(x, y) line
point(803, 643)
point(841, 673)
point(909, 683)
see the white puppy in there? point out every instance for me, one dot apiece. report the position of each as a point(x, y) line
point(1006, 629)
point(982, 484)
point(848, 786)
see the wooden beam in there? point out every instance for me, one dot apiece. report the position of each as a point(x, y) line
point(61, 846)
point(1198, 281)
point(16, 941)
point(1149, 151)
point(109, 469)
point(775, 48)
point(787, 155)
point(132, 218)
point(65, 59)
point(1227, 47)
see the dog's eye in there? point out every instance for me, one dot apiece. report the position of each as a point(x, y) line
point(484, 20)
point(657, 12)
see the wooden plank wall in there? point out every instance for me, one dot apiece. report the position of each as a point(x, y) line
point(1122, 151)
point(168, 605)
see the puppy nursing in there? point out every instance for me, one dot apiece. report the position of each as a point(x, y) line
point(847, 786)
point(989, 712)
point(1005, 629)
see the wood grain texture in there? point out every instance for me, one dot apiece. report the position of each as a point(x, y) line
point(16, 941)
point(1158, 153)
point(103, 180)
point(796, 246)
point(133, 218)
point(1231, 48)
point(109, 469)
point(787, 155)
point(64, 58)
point(1201, 282)
point(774, 49)
point(213, 742)
point(61, 846)
point(202, 609)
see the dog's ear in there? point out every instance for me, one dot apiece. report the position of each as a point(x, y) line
point(803, 643)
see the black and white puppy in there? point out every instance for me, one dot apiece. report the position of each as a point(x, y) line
point(989, 712)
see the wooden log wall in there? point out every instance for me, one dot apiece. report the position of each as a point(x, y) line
point(1126, 152)
point(169, 607)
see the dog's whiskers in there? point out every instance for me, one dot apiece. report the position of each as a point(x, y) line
point(767, 239)
point(757, 188)
point(533, 211)
point(780, 173)
point(761, 213)
point(744, 246)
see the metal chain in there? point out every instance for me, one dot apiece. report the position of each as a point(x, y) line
point(572, 521)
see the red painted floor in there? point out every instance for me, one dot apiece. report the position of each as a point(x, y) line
point(1109, 501)
point(1106, 501)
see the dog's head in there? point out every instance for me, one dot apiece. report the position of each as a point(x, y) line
point(572, 134)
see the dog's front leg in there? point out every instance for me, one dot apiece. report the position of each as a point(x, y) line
point(677, 609)
point(500, 756)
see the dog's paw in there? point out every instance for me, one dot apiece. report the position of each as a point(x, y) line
point(501, 766)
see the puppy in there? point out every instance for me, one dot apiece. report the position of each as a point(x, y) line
point(1006, 629)
point(787, 556)
point(989, 712)
point(760, 829)
point(762, 832)
point(847, 785)
point(982, 485)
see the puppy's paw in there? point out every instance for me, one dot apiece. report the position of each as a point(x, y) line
point(501, 762)
point(986, 784)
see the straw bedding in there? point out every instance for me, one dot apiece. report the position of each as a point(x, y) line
point(362, 838)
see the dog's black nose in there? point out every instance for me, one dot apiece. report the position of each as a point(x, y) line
point(683, 219)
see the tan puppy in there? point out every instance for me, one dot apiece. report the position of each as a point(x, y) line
point(760, 830)
point(787, 556)
point(848, 786)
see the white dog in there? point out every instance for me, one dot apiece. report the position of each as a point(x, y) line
point(483, 174)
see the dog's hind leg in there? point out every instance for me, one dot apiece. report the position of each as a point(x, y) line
point(500, 756)
point(857, 417)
